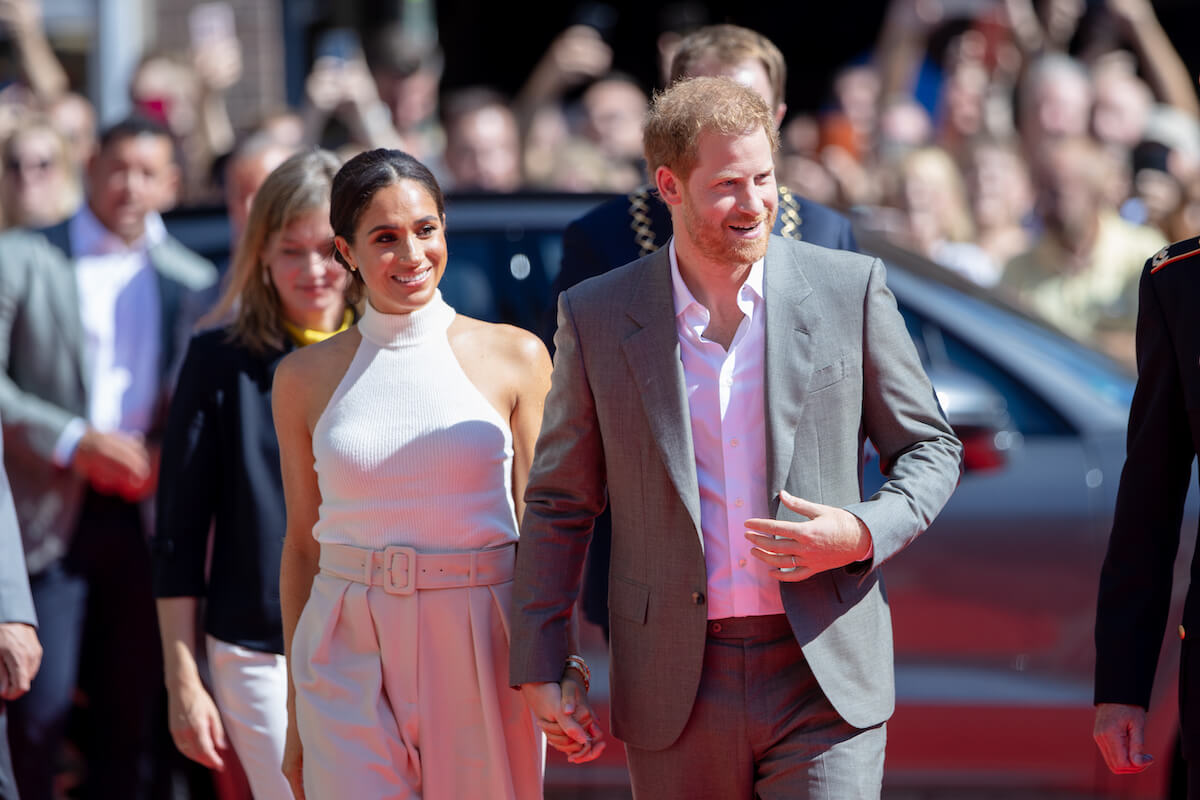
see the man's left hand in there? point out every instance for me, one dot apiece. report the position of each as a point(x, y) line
point(831, 538)
point(20, 657)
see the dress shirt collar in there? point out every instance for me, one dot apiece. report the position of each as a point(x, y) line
point(89, 237)
point(692, 311)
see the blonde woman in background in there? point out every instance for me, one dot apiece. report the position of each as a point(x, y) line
point(220, 468)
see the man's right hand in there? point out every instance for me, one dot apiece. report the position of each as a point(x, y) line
point(1120, 732)
point(114, 463)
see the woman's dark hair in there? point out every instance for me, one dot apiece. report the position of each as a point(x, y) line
point(362, 176)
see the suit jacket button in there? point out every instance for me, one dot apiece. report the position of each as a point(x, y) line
point(698, 598)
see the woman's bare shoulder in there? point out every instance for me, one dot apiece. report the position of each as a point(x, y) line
point(314, 371)
point(500, 340)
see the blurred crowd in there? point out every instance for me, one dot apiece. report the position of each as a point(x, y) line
point(1042, 146)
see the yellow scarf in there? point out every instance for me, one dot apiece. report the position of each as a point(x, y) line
point(303, 336)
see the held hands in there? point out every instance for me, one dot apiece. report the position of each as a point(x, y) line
point(563, 714)
point(20, 657)
point(196, 725)
point(1119, 733)
point(831, 538)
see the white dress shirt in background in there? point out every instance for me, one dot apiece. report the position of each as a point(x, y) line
point(120, 309)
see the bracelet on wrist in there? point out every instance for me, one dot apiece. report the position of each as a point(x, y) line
point(577, 663)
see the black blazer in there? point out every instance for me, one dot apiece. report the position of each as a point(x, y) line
point(1162, 441)
point(220, 468)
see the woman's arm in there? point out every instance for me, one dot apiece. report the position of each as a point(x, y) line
point(186, 503)
point(192, 716)
point(290, 401)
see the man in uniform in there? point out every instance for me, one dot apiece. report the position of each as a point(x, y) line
point(626, 228)
point(1135, 582)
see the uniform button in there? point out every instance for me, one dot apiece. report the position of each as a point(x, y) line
point(698, 598)
point(733, 442)
point(716, 627)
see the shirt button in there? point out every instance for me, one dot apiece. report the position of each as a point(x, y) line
point(727, 381)
point(733, 442)
point(739, 502)
point(741, 562)
point(698, 598)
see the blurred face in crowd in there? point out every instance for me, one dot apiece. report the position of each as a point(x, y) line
point(1122, 109)
point(412, 97)
point(75, 120)
point(399, 247)
point(299, 262)
point(750, 73)
point(614, 110)
point(1060, 109)
point(1070, 198)
point(37, 178)
point(168, 93)
point(246, 173)
point(129, 178)
point(483, 150)
point(728, 202)
point(999, 187)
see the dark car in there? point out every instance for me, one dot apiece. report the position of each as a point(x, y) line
point(994, 606)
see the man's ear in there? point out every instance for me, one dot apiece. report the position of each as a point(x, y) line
point(670, 188)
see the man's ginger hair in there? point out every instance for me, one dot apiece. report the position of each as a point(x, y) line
point(688, 108)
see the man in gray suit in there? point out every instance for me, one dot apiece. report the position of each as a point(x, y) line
point(94, 315)
point(20, 652)
point(750, 635)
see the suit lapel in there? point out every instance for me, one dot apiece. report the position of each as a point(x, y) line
point(788, 361)
point(64, 295)
point(169, 300)
point(652, 352)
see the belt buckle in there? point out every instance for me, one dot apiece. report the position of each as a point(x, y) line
point(389, 559)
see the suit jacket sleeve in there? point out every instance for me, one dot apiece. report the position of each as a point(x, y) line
point(32, 425)
point(187, 484)
point(16, 602)
point(1135, 581)
point(566, 492)
point(918, 451)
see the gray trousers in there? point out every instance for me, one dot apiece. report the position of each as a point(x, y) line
point(761, 728)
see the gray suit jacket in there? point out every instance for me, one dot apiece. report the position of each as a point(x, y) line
point(16, 601)
point(840, 367)
point(43, 375)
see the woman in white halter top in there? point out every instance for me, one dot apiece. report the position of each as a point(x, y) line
point(405, 444)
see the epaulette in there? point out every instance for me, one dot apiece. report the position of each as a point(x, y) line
point(789, 214)
point(1174, 252)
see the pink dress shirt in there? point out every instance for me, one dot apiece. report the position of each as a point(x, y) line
point(725, 402)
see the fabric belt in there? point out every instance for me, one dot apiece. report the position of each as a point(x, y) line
point(402, 570)
point(766, 626)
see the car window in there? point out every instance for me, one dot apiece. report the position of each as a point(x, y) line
point(1030, 415)
point(500, 278)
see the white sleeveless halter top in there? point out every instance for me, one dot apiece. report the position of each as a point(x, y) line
point(408, 451)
